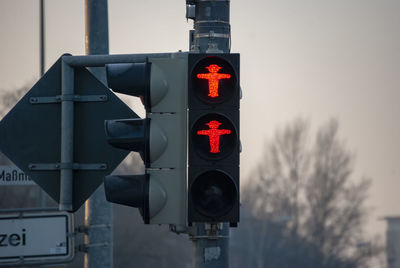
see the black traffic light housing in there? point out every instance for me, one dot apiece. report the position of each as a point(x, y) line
point(214, 141)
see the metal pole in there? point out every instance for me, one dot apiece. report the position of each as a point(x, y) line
point(97, 33)
point(210, 245)
point(98, 212)
point(212, 30)
point(42, 196)
point(67, 136)
point(212, 34)
point(102, 60)
point(41, 37)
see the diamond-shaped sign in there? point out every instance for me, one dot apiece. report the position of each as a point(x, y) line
point(31, 133)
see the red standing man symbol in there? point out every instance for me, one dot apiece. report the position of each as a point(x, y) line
point(213, 134)
point(213, 78)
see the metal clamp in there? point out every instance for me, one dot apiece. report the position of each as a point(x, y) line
point(71, 234)
point(85, 247)
point(212, 237)
point(212, 35)
point(74, 166)
point(68, 97)
point(85, 228)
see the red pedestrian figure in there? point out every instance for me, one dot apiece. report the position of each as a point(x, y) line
point(213, 78)
point(214, 133)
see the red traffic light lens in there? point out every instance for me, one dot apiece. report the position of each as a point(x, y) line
point(213, 79)
point(214, 136)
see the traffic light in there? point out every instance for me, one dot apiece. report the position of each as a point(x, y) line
point(214, 146)
point(160, 138)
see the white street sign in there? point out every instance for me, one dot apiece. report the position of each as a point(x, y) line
point(36, 238)
point(11, 175)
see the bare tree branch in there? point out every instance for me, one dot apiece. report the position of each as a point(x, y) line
point(306, 189)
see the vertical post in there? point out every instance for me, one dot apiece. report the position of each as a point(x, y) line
point(67, 136)
point(98, 212)
point(42, 196)
point(96, 34)
point(212, 30)
point(41, 37)
point(212, 34)
point(210, 245)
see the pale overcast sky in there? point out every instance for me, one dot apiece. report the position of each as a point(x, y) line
point(311, 58)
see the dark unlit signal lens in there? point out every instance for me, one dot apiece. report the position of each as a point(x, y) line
point(213, 193)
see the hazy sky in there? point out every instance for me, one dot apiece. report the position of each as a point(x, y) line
point(311, 58)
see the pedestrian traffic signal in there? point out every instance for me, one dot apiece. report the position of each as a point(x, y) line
point(192, 106)
point(160, 138)
point(214, 146)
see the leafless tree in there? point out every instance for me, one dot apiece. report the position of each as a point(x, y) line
point(304, 200)
point(9, 98)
